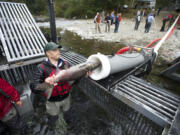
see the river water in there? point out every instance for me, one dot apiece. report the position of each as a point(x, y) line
point(84, 116)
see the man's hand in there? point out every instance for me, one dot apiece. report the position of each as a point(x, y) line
point(50, 80)
point(19, 103)
point(88, 74)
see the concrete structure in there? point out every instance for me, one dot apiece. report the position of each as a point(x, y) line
point(146, 3)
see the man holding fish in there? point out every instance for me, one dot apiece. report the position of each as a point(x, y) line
point(54, 78)
point(46, 71)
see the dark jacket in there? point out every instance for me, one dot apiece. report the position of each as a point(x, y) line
point(46, 69)
point(118, 19)
point(108, 19)
point(5, 104)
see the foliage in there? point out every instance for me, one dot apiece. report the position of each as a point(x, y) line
point(37, 7)
point(164, 3)
point(82, 8)
point(73, 8)
point(87, 8)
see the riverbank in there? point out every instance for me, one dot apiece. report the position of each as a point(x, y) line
point(126, 35)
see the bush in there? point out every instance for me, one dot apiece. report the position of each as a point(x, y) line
point(83, 8)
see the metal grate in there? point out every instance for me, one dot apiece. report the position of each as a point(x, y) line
point(140, 107)
point(20, 36)
point(19, 75)
point(155, 103)
point(132, 122)
point(72, 58)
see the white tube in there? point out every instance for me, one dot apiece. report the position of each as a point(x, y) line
point(102, 71)
point(114, 64)
point(125, 61)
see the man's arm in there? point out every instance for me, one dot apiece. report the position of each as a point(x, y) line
point(11, 91)
point(95, 19)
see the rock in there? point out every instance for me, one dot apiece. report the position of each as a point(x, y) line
point(41, 19)
point(177, 55)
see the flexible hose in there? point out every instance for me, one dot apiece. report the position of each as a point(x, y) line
point(121, 51)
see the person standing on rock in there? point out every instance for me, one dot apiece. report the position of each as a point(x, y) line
point(164, 21)
point(138, 19)
point(158, 11)
point(150, 19)
point(147, 20)
point(171, 20)
point(112, 17)
point(117, 22)
point(97, 20)
point(107, 22)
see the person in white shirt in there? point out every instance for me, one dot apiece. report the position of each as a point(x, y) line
point(138, 19)
point(138, 13)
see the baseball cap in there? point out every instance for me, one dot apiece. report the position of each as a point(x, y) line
point(50, 46)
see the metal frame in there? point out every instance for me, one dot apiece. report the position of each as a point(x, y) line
point(20, 64)
point(20, 36)
point(52, 20)
point(132, 122)
point(175, 127)
point(171, 71)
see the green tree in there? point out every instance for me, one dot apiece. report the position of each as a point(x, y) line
point(81, 8)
